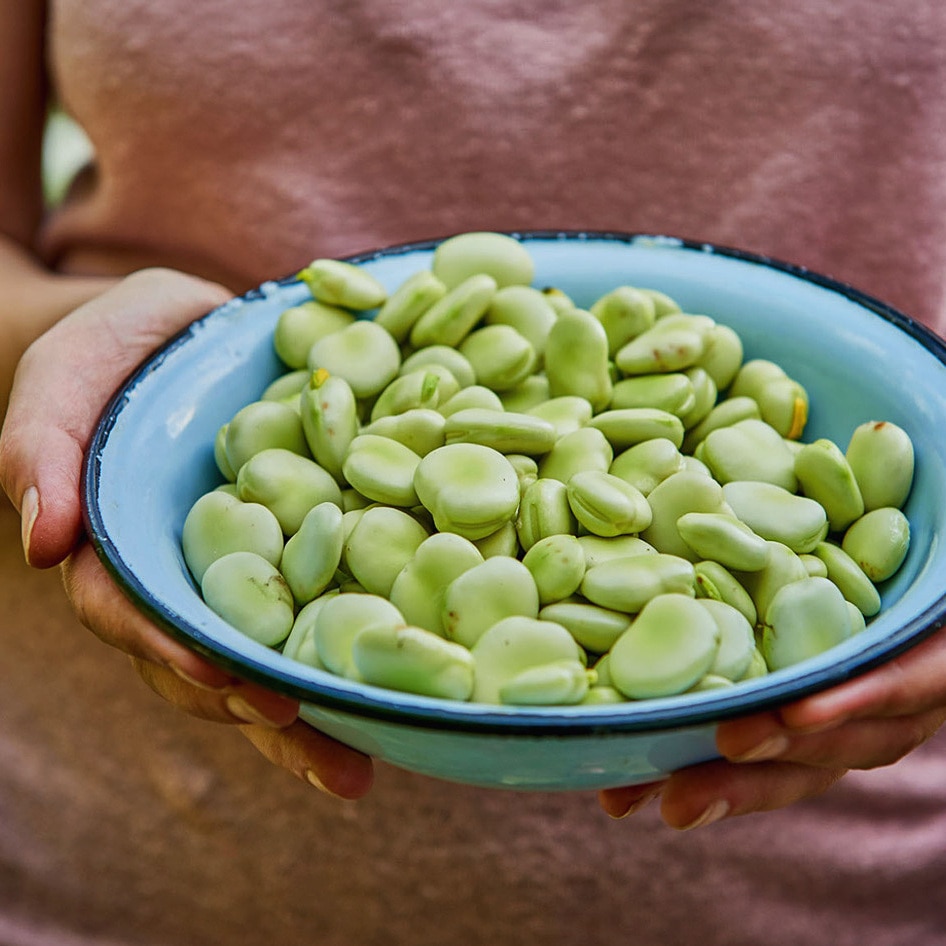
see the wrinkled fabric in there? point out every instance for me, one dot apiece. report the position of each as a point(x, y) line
point(242, 140)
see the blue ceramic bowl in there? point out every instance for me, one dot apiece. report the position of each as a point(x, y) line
point(151, 458)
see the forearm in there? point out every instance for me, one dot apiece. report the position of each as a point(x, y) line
point(32, 299)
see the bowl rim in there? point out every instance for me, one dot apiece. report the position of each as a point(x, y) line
point(387, 706)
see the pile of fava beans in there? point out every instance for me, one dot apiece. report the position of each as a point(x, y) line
point(485, 492)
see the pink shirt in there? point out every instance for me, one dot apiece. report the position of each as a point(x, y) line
point(240, 140)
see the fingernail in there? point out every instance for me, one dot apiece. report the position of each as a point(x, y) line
point(635, 806)
point(770, 748)
point(316, 782)
point(718, 809)
point(29, 512)
point(248, 713)
point(200, 684)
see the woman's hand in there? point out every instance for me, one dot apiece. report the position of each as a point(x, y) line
point(774, 759)
point(61, 386)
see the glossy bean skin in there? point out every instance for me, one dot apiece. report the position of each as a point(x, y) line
point(668, 648)
point(486, 594)
point(878, 541)
point(418, 589)
point(300, 327)
point(219, 523)
point(468, 488)
point(576, 359)
point(249, 592)
point(413, 660)
point(289, 485)
point(629, 584)
point(517, 644)
point(804, 619)
point(336, 282)
point(409, 302)
point(501, 257)
point(882, 457)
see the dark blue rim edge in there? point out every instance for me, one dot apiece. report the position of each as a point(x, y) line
point(448, 716)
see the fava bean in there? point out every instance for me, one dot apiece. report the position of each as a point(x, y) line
point(469, 489)
point(646, 464)
point(339, 622)
point(336, 282)
point(382, 542)
point(825, 475)
point(363, 353)
point(330, 422)
point(382, 469)
point(723, 538)
point(426, 387)
point(668, 647)
point(849, 577)
point(219, 523)
point(543, 511)
point(419, 587)
point(804, 619)
point(505, 431)
point(667, 392)
point(409, 302)
point(627, 584)
point(633, 425)
point(881, 456)
point(413, 660)
point(584, 449)
point(624, 313)
point(484, 595)
point(557, 564)
point(248, 592)
point(606, 505)
point(259, 426)
point(749, 450)
point(713, 581)
point(449, 320)
point(419, 429)
point(525, 309)
point(287, 484)
point(473, 396)
point(312, 556)
point(595, 628)
point(878, 541)
point(444, 356)
point(500, 356)
point(300, 327)
point(501, 257)
point(778, 515)
point(517, 644)
point(576, 359)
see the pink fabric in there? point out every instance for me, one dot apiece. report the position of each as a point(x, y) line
point(243, 139)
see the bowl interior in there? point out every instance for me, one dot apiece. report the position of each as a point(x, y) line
point(152, 456)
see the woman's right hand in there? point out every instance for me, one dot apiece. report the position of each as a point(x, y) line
point(61, 386)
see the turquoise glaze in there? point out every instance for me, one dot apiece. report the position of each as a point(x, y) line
point(859, 360)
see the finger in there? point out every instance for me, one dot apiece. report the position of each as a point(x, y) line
point(627, 800)
point(859, 744)
point(270, 723)
point(236, 702)
point(703, 794)
point(62, 384)
point(102, 607)
point(314, 757)
point(910, 684)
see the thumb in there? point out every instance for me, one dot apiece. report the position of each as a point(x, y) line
point(63, 383)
